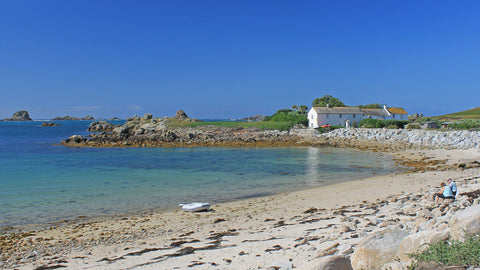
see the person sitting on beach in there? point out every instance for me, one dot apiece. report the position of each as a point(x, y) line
point(452, 186)
point(445, 193)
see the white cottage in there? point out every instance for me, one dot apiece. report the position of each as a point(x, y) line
point(350, 116)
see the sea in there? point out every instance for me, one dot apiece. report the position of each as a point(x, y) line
point(43, 182)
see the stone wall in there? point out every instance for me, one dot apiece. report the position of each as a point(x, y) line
point(428, 139)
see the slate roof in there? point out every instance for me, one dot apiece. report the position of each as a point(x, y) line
point(351, 110)
point(375, 112)
point(338, 110)
point(356, 110)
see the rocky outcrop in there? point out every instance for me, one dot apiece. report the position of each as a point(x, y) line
point(19, 116)
point(71, 118)
point(181, 115)
point(100, 126)
point(147, 131)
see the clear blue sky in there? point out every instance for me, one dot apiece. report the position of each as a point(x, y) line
point(232, 59)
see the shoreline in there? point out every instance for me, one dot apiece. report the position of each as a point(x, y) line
point(400, 167)
point(183, 239)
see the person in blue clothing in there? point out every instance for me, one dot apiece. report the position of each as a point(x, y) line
point(452, 186)
point(445, 193)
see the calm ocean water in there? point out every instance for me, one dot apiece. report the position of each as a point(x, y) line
point(41, 182)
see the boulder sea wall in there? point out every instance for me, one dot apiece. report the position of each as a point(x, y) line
point(403, 138)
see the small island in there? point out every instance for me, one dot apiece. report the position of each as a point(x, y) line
point(19, 116)
point(71, 118)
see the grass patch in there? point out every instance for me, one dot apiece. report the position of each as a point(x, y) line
point(263, 125)
point(448, 253)
point(468, 114)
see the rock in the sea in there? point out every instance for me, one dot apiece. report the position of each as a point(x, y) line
point(19, 116)
point(75, 139)
point(47, 124)
point(466, 222)
point(377, 250)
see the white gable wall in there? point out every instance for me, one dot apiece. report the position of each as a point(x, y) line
point(313, 118)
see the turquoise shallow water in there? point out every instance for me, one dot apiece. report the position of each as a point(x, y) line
point(41, 182)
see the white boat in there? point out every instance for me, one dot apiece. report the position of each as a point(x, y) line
point(196, 206)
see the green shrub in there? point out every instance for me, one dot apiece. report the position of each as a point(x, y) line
point(413, 126)
point(465, 124)
point(290, 116)
point(452, 253)
point(380, 123)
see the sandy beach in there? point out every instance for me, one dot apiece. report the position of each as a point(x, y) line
point(277, 232)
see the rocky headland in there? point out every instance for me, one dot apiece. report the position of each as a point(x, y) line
point(147, 131)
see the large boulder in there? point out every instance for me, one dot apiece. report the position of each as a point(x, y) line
point(418, 242)
point(334, 262)
point(466, 222)
point(377, 250)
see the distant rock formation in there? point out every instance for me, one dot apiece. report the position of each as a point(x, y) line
point(257, 117)
point(47, 124)
point(181, 115)
point(70, 118)
point(19, 116)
